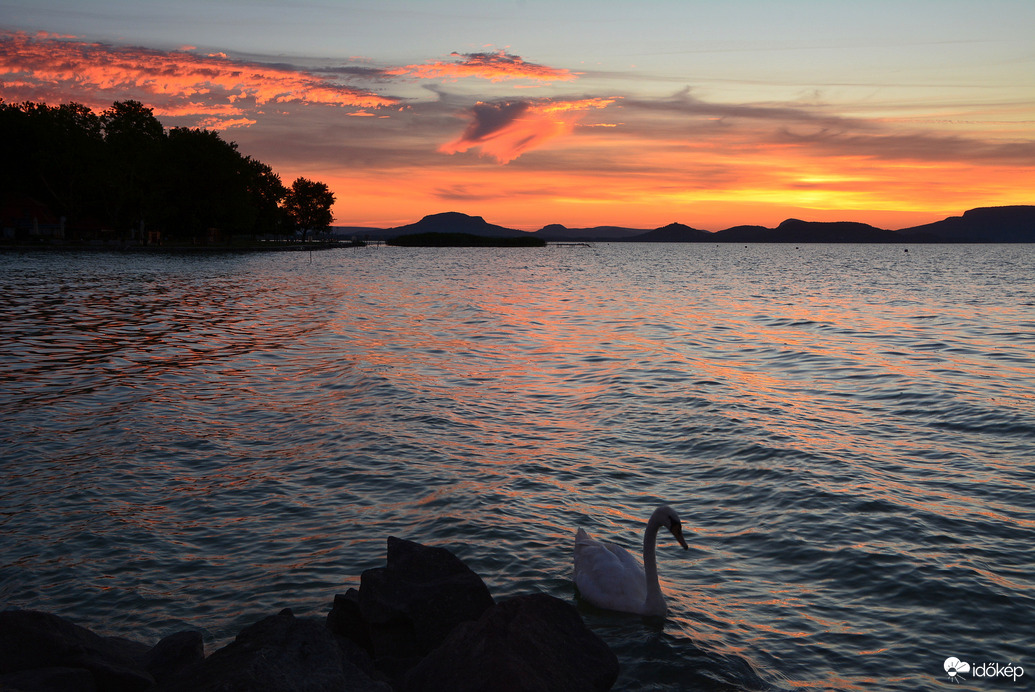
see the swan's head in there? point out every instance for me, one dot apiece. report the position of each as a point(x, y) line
point(667, 517)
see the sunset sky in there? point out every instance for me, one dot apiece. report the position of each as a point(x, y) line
point(584, 113)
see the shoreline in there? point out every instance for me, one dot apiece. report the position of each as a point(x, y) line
point(271, 246)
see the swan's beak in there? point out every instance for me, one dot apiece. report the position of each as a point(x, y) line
point(677, 531)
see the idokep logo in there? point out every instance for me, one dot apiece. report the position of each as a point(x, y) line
point(956, 668)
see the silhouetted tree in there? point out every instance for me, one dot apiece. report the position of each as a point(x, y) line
point(308, 204)
point(134, 138)
point(53, 155)
point(120, 168)
point(203, 186)
point(266, 193)
point(207, 184)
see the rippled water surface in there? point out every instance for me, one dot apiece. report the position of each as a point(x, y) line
point(847, 431)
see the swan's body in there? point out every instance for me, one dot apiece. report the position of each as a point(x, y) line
point(608, 576)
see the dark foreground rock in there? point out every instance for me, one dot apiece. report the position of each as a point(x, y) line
point(43, 651)
point(408, 607)
point(280, 653)
point(533, 642)
point(425, 621)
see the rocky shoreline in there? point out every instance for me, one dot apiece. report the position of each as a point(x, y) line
point(425, 621)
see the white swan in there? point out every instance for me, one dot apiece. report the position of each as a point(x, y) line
point(608, 576)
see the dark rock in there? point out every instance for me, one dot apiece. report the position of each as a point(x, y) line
point(425, 621)
point(33, 640)
point(174, 654)
point(280, 653)
point(414, 602)
point(49, 679)
point(360, 657)
point(533, 642)
point(346, 620)
point(128, 648)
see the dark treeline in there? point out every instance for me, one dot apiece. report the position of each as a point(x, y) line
point(119, 175)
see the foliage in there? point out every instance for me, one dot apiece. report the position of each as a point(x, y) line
point(308, 205)
point(122, 172)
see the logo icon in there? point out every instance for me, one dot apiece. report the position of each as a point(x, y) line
point(955, 667)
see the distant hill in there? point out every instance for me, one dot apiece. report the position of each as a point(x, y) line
point(983, 225)
point(798, 231)
point(455, 222)
point(1014, 224)
point(673, 233)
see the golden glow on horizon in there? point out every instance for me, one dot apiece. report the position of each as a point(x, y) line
point(535, 199)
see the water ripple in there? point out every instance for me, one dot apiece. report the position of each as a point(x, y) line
point(198, 441)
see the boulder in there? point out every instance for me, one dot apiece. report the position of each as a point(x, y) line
point(346, 620)
point(280, 653)
point(31, 640)
point(49, 679)
point(409, 606)
point(523, 644)
point(174, 654)
point(425, 621)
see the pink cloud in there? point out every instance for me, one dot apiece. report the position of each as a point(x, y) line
point(508, 129)
point(225, 124)
point(45, 68)
point(495, 66)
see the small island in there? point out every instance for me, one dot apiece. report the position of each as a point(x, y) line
point(463, 240)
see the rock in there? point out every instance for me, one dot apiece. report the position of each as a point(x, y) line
point(280, 653)
point(174, 654)
point(526, 643)
point(49, 679)
point(128, 648)
point(31, 640)
point(425, 621)
point(346, 620)
point(414, 602)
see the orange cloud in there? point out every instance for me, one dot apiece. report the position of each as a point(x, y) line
point(34, 67)
point(225, 124)
point(507, 130)
point(497, 66)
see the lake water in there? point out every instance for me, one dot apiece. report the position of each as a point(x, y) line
point(848, 433)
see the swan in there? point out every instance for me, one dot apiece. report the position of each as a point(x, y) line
point(608, 576)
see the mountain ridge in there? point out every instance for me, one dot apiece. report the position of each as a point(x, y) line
point(1005, 224)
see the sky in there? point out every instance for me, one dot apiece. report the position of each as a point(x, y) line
point(583, 113)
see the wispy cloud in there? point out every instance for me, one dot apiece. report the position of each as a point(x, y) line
point(496, 66)
point(214, 87)
point(505, 130)
point(913, 146)
point(684, 103)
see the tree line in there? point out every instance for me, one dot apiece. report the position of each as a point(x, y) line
point(121, 172)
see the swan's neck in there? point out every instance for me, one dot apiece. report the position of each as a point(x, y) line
point(655, 603)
